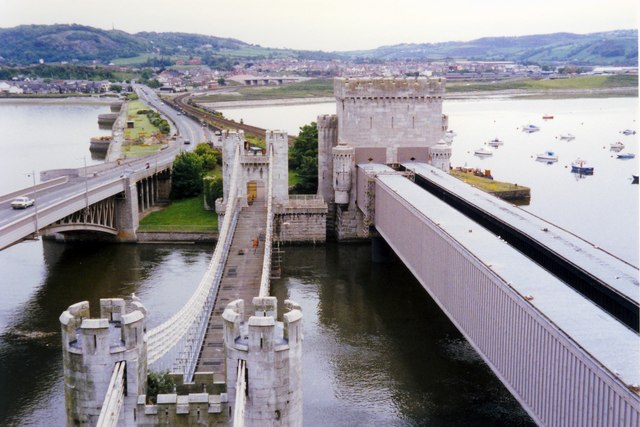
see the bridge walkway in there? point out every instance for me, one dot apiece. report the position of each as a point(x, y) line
point(240, 280)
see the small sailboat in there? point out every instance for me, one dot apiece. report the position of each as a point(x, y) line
point(628, 132)
point(530, 128)
point(617, 145)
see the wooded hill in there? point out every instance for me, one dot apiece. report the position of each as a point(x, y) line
point(27, 44)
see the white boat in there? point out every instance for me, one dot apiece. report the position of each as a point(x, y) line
point(483, 152)
point(547, 156)
point(628, 132)
point(626, 156)
point(448, 136)
point(495, 142)
point(617, 145)
point(567, 136)
point(530, 128)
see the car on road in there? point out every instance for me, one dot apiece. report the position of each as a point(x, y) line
point(22, 202)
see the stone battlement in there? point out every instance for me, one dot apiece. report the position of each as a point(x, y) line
point(388, 88)
point(183, 410)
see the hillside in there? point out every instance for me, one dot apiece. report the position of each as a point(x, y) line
point(27, 44)
point(609, 48)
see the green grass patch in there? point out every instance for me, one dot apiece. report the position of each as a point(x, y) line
point(485, 184)
point(581, 82)
point(182, 215)
point(308, 89)
point(142, 129)
point(294, 178)
point(140, 59)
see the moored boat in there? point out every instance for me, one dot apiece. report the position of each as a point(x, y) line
point(483, 152)
point(530, 128)
point(580, 166)
point(495, 142)
point(617, 145)
point(567, 136)
point(547, 156)
point(547, 117)
point(628, 132)
point(626, 156)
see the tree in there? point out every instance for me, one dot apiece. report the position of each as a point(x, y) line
point(158, 383)
point(222, 81)
point(303, 158)
point(186, 177)
point(207, 154)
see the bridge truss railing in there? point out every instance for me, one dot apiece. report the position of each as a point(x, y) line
point(176, 343)
point(266, 263)
point(114, 398)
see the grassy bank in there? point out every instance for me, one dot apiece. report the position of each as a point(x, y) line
point(324, 88)
point(186, 215)
point(574, 83)
point(488, 185)
point(308, 89)
point(136, 138)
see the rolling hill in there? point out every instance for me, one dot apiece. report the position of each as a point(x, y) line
point(27, 44)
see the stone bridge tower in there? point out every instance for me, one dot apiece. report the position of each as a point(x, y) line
point(271, 352)
point(90, 350)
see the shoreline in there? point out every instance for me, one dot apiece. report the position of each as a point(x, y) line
point(616, 92)
point(78, 100)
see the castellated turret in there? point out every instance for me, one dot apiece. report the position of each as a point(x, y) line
point(272, 354)
point(92, 347)
point(343, 156)
point(440, 156)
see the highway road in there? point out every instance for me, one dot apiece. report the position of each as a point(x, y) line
point(99, 176)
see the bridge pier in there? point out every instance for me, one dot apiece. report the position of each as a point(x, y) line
point(381, 252)
point(127, 214)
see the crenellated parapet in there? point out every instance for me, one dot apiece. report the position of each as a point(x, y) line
point(385, 88)
point(92, 347)
point(183, 410)
point(272, 353)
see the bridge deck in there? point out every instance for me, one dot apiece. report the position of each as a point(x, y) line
point(241, 280)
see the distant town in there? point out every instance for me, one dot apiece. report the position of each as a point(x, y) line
point(193, 75)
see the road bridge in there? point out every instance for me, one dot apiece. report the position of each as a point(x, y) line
point(565, 360)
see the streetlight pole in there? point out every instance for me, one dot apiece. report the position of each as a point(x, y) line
point(35, 201)
point(86, 187)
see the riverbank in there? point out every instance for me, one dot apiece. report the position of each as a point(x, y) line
point(70, 100)
point(454, 95)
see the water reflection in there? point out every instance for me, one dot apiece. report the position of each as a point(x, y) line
point(378, 350)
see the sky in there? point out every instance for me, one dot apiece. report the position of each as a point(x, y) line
point(332, 25)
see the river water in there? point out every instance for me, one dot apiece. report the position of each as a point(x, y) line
point(378, 351)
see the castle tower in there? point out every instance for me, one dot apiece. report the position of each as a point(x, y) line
point(272, 352)
point(92, 347)
point(280, 143)
point(327, 139)
point(230, 142)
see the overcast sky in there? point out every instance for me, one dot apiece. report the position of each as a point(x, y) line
point(332, 25)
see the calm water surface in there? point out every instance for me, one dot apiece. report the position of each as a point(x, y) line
point(377, 350)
